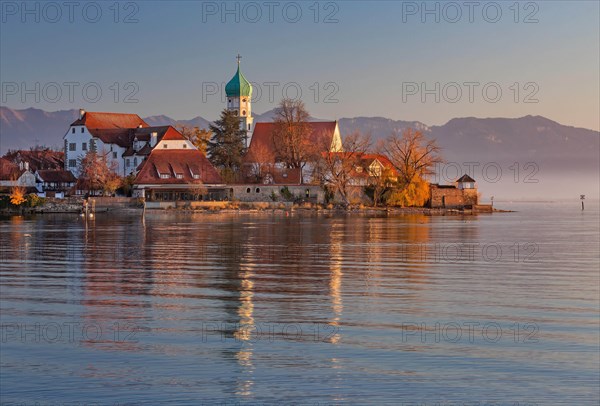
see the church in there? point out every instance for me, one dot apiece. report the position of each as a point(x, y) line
point(260, 162)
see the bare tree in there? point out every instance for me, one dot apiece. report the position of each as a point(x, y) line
point(413, 155)
point(261, 161)
point(96, 173)
point(336, 169)
point(380, 182)
point(291, 135)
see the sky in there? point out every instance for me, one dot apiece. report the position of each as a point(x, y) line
point(425, 61)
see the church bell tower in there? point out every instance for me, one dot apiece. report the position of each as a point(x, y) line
point(239, 93)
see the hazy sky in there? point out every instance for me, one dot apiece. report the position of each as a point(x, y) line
point(365, 58)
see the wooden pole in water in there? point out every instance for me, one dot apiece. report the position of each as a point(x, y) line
point(582, 197)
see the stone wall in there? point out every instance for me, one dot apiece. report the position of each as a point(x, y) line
point(264, 193)
point(448, 197)
point(471, 196)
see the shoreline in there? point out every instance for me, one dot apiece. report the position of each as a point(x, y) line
point(254, 210)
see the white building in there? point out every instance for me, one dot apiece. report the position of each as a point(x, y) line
point(125, 139)
point(103, 133)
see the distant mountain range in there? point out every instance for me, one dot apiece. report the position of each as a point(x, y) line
point(553, 147)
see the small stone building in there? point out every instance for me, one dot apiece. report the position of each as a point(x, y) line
point(463, 194)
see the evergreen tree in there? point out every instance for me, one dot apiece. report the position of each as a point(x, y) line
point(227, 145)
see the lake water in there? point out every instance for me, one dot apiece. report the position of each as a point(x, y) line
point(304, 309)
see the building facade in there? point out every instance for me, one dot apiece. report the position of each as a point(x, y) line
point(463, 194)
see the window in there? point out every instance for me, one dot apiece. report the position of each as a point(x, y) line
point(114, 155)
point(243, 112)
point(165, 145)
point(257, 190)
point(184, 146)
point(179, 175)
point(164, 176)
point(247, 190)
point(127, 163)
point(249, 125)
point(73, 130)
point(72, 146)
point(229, 100)
point(244, 100)
point(135, 161)
point(84, 146)
point(72, 163)
point(196, 176)
point(82, 129)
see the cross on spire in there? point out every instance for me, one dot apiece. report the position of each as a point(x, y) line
point(238, 57)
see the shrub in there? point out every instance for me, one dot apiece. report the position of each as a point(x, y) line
point(415, 194)
point(287, 195)
point(34, 200)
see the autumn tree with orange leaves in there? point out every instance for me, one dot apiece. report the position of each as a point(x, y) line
point(414, 157)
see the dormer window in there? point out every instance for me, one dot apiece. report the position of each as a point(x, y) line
point(179, 175)
point(184, 146)
point(165, 145)
point(164, 176)
point(196, 176)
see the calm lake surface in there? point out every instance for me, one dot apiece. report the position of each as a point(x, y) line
point(304, 309)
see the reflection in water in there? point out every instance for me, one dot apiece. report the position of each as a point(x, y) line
point(335, 284)
point(306, 309)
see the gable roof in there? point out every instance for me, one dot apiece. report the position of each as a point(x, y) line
point(171, 161)
point(56, 176)
point(37, 159)
point(110, 120)
point(368, 159)
point(124, 137)
point(262, 146)
point(466, 178)
point(9, 170)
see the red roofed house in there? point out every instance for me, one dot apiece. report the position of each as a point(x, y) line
point(55, 182)
point(126, 139)
point(372, 166)
point(262, 150)
point(176, 171)
point(12, 174)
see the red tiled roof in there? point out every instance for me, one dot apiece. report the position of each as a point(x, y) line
point(9, 170)
point(110, 120)
point(262, 147)
point(144, 134)
point(145, 150)
point(56, 176)
point(38, 159)
point(365, 161)
point(385, 161)
point(172, 134)
point(272, 175)
point(123, 137)
point(171, 161)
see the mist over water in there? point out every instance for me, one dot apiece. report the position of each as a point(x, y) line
point(302, 309)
